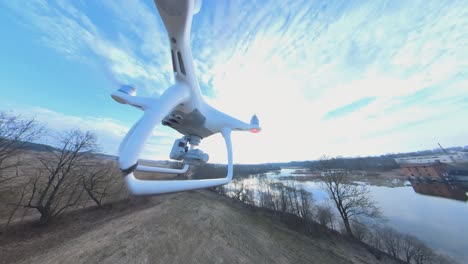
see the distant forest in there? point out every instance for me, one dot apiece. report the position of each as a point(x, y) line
point(382, 162)
point(378, 163)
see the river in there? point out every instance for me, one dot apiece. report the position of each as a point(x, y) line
point(439, 222)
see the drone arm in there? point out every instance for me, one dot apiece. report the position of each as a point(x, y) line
point(133, 143)
point(139, 102)
point(253, 127)
point(218, 117)
point(148, 187)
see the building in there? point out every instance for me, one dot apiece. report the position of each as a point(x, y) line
point(457, 157)
point(432, 171)
point(459, 174)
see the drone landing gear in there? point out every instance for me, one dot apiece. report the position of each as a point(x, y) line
point(180, 151)
point(149, 187)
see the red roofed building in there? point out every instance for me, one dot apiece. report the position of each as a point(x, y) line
point(432, 171)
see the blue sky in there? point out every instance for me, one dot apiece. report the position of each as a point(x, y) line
point(325, 77)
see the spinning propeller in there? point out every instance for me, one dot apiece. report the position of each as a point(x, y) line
point(180, 107)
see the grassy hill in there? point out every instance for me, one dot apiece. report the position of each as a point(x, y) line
point(190, 227)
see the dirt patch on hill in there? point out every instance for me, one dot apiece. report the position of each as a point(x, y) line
point(190, 227)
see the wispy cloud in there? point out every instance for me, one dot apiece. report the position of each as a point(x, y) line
point(134, 56)
point(388, 69)
point(401, 64)
point(349, 108)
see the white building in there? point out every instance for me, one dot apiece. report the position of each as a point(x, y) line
point(458, 157)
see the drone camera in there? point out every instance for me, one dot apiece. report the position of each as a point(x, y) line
point(180, 151)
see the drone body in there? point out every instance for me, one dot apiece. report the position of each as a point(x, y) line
point(180, 107)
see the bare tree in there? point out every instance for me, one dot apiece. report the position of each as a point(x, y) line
point(352, 201)
point(56, 185)
point(306, 204)
point(299, 200)
point(15, 132)
point(375, 240)
point(404, 247)
point(361, 231)
point(324, 215)
point(221, 190)
point(266, 194)
point(248, 196)
point(409, 247)
point(392, 241)
point(238, 189)
point(19, 199)
point(283, 198)
point(423, 254)
point(97, 180)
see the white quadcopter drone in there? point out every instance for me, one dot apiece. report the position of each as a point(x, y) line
point(180, 107)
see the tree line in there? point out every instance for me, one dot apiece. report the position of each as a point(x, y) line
point(67, 175)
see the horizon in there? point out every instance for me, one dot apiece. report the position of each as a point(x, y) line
point(359, 78)
point(413, 153)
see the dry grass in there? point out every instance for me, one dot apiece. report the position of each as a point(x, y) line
point(190, 227)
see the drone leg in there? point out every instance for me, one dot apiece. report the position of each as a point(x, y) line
point(133, 143)
point(147, 187)
point(163, 170)
point(226, 132)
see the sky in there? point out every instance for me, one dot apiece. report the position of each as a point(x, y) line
point(349, 78)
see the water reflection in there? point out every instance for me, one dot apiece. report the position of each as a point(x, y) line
point(446, 189)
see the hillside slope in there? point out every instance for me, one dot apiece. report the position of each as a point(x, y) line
point(191, 227)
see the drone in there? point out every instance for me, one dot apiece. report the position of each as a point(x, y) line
point(180, 107)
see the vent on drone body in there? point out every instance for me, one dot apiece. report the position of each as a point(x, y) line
point(172, 120)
